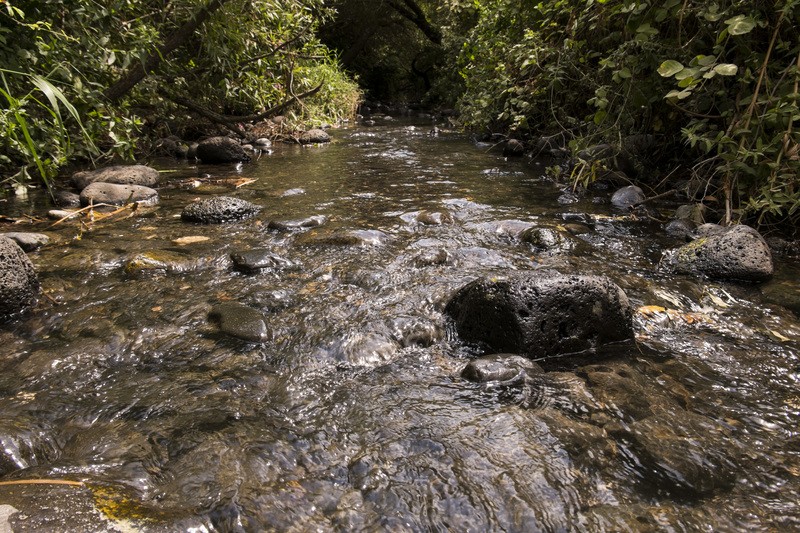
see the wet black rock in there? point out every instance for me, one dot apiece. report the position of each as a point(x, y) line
point(28, 241)
point(738, 253)
point(113, 194)
point(120, 174)
point(218, 150)
point(64, 198)
point(240, 321)
point(218, 210)
point(682, 228)
point(542, 313)
point(314, 136)
point(499, 367)
point(551, 240)
point(627, 197)
point(252, 261)
point(685, 451)
point(513, 148)
point(19, 285)
point(191, 152)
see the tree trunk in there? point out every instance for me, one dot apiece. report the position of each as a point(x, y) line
point(139, 71)
point(412, 12)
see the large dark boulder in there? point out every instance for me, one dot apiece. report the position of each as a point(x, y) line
point(541, 313)
point(114, 194)
point(119, 174)
point(216, 150)
point(19, 286)
point(219, 209)
point(737, 253)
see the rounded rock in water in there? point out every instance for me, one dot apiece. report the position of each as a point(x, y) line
point(218, 210)
point(739, 253)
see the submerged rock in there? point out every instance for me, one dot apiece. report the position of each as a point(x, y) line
point(218, 150)
point(28, 241)
point(314, 136)
point(542, 313)
point(120, 175)
point(686, 451)
point(259, 259)
point(113, 194)
point(218, 210)
point(297, 224)
point(158, 262)
point(550, 240)
point(737, 253)
point(19, 285)
point(499, 367)
point(240, 321)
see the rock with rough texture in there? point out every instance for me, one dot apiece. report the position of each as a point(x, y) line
point(28, 241)
point(738, 253)
point(627, 197)
point(113, 194)
point(549, 240)
point(314, 136)
point(19, 285)
point(542, 313)
point(217, 150)
point(120, 174)
point(260, 259)
point(240, 321)
point(219, 209)
point(499, 367)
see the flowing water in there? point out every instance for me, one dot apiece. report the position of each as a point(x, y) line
point(353, 415)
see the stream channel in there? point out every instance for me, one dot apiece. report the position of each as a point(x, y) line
point(123, 407)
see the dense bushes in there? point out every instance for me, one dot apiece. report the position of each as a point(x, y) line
point(80, 78)
point(724, 76)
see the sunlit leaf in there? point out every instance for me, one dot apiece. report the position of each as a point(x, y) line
point(726, 69)
point(670, 67)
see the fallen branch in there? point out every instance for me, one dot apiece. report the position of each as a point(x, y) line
point(656, 197)
point(227, 120)
point(43, 482)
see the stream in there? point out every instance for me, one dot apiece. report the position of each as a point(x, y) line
point(353, 416)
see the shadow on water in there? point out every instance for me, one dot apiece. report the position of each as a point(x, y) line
point(352, 416)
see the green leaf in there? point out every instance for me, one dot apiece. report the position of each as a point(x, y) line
point(726, 69)
point(740, 25)
point(669, 68)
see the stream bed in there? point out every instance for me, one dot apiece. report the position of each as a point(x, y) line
point(123, 407)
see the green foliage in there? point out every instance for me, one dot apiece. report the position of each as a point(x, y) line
point(723, 74)
point(60, 56)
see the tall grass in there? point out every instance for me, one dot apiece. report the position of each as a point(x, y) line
point(35, 129)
